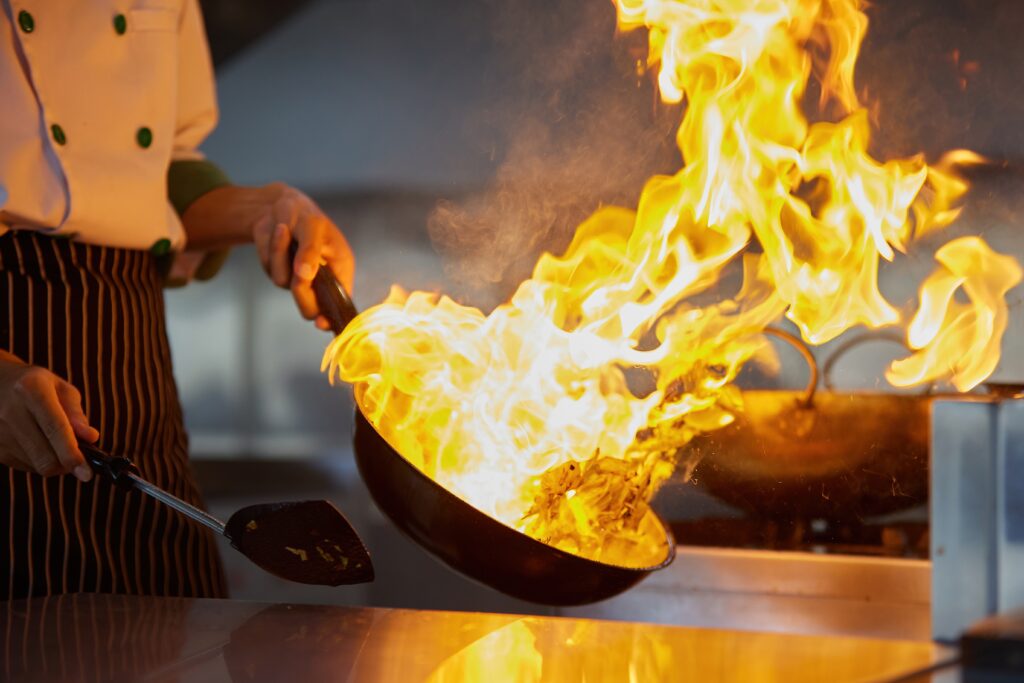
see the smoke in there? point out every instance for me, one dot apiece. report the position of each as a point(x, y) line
point(573, 126)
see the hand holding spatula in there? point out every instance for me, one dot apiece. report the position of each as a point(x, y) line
point(308, 541)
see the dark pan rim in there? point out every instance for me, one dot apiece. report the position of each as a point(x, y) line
point(472, 511)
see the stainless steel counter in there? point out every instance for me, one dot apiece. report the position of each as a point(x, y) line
point(780, 592)
point(99, 637)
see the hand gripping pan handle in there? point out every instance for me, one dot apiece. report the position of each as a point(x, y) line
point(331, 298)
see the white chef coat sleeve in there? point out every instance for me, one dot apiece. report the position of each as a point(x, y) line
point(190, 174)
point(197, 98)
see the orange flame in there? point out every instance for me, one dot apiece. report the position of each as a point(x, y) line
point(532, 414)
point(953, 340)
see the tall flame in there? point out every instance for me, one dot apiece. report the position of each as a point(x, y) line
point(534, 413)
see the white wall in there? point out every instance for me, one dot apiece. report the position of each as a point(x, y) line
point(361, 93)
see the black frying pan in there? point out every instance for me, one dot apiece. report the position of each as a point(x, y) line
point(458, 534)
point(478, 545)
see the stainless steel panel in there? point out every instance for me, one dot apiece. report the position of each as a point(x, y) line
point(1010, 507)
point(964, 439)
point(977, 500)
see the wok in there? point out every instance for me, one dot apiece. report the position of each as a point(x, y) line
point(820, 454)
point(478, 545)
point(458, 534)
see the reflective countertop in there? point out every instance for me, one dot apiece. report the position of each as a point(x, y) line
point(106, 637)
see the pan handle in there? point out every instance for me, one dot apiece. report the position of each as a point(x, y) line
point(798, 344)
point(334, 302)
point(857, 340)
point(113, 468)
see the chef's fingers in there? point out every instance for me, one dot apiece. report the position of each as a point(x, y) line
point(289, 206)
point(36, 448)
point(280, 259)
point(19, 419)
point(340, 259)
point(71, 401)
point(262, 233)
point(305, 299)
point(42, 401)
point(310, 236)
point(309, 233)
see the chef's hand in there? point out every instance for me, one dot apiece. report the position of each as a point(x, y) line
point(41, 419)
point(291, 215)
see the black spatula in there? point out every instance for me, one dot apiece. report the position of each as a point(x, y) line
point(306, 542)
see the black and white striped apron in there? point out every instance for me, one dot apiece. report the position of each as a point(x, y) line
point(95, 317)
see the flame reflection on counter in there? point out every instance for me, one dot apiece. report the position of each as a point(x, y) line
point(63, 639)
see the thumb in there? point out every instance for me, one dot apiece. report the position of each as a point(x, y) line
point(71, 401)
point(343, 268)
point(340, 260)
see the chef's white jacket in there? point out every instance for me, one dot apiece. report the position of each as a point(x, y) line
point(98, 98)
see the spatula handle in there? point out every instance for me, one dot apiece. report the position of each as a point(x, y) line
point(331, 298)
point(125, 475)
point(116, 469)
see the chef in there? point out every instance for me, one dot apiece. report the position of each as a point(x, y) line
point(104, 200)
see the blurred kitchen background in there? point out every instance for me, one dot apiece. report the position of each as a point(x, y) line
point(455, 140)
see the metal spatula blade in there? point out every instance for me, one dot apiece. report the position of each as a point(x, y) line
point(306, 542)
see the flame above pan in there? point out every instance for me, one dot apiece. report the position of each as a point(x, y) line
point(529, 414)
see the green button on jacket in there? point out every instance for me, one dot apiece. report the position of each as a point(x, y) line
point(161, 247)
point(120, 24)
point(26, 22)
point(58, 134)
point(144, 136)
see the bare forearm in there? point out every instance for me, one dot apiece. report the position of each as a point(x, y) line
point(225, 216)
